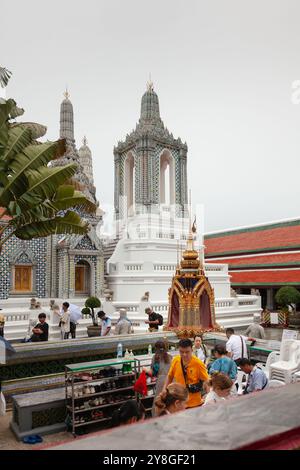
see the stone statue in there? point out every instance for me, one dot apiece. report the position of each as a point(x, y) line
point(32, 304)
point(255, 292)
point(145, 297)
point(52, 304)
point(108, 295)
point(233, 292)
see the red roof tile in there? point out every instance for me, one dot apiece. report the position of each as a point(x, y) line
point(269, 277)
point(277, 259)
point(258, 239)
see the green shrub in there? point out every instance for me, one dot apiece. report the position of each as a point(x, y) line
point(287, 295)
point(90, 304)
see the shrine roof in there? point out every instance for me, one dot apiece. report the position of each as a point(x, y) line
point(272, 260)
point(282, 235)
point(265, 277)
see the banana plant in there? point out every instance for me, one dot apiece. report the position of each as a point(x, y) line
point(36, 199)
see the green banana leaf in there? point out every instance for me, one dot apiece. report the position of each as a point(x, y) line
point(43, 183)
point(18, 138)
point(32, 157)
point(71, 223)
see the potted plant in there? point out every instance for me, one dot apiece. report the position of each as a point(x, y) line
point(287, 297)
point(90, 304)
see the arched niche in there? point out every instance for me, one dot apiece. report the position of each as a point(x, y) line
point(175, 310)
point(166, 178)
point(205, 310)
point(23, 272)
point(83, 281)
point(129, 182)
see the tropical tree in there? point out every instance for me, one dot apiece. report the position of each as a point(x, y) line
point(286, 296)
point(35, 198)
point(4, 76)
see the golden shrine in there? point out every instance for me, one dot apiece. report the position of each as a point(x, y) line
point(191, 308)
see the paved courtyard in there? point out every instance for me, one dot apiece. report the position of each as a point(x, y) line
point(9, 442)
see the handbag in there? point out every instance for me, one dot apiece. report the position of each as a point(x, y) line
point(192, 388)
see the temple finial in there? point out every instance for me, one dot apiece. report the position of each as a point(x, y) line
point(84, 140)
point(66, 94)
point(194, 227)
point(190, 209)
point(150, 84)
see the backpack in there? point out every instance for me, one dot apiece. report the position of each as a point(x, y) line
point(160, 319)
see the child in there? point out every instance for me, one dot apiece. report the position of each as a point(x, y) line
point(174, 398)
point(220, 388)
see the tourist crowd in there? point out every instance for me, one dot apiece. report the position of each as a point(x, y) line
point(193, 379)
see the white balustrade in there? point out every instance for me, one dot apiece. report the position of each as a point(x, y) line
point(215, 267)
point(164, 267)
point(133, 267)
point(223, 303)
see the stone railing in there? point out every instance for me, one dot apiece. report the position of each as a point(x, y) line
point(223, 303)
point(160, 308)
point(14, 317)
point(215, 267)
point(134, 307)
point(234, 311)
point(133, 267)
point(238, 302)
point(164, 267)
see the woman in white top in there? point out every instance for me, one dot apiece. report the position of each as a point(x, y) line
point(220, 388)
point(65, 321)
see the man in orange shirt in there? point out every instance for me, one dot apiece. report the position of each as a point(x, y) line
point(189, 371)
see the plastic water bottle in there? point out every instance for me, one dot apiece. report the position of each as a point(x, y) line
point(149, 349)
point(119, 350)
point(126, 366)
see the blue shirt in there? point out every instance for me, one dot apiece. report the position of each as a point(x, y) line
point(257, 380)
point(225, 365)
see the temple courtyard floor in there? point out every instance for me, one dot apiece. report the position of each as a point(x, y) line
point(9, 442)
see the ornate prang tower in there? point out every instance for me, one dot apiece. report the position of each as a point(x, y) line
point(83, 158)
point(75, 262)
point(86, 161)
point(150, 165)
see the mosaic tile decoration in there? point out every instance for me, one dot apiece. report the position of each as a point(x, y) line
point(38, 248)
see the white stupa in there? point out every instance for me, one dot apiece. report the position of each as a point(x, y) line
point(153, 220)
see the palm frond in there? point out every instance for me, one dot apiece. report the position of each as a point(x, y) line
point(37, 130)
point(76, 184)
point(70, 223)
point(16, 112)
point(18, 138)
point(66, 197)
point(32, 157)
point(4, 76)
point(5, 109)
point(43, 183)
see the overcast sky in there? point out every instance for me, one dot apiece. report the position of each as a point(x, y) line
point(223, 71)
